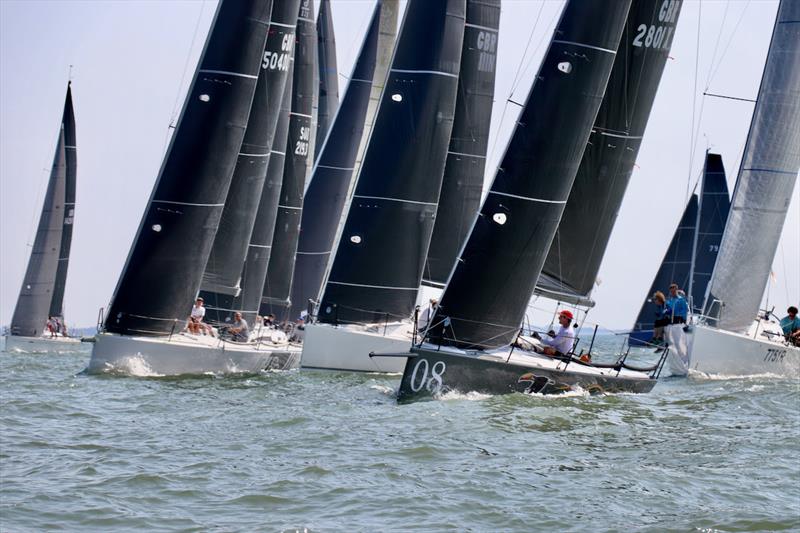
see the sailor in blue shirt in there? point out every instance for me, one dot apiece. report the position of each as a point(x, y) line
point(790, 325)
point(677, 304)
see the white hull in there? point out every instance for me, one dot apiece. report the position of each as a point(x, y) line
point(348, 348)
point(715, 351)
point(186, 354)
point(16, 343)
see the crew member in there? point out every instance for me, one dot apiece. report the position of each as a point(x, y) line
point(562, 343)
point(790, 324)
point(677, 304)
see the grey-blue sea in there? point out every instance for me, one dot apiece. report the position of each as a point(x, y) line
point(316, 451)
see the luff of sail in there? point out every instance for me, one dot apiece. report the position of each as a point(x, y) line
point(222, 276)
point(42, 289)
point(378, 264)
point(330, 181)
point(278, 283)
point(164, 268)
point(574, 259)
point(764, 186)
point(328, 89)
point(462, 184)
point(487, 294)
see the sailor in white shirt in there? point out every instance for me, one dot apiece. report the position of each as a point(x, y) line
point(562, 343)
point(426, 315)
point(196, 317)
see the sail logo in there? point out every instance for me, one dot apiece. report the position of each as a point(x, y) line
point(487, 44)
point(279, 60)
point(659, 36)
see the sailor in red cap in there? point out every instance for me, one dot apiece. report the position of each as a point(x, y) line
point(562, 343)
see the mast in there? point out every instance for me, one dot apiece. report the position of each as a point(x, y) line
point(378, 264)
point(164, 268)
point(42, 289)
point(222, 276)
point(328, 75)
point(330, 181)
point(764, 186)
point(462, 184)
point(278, 284)
point(488, 291)
point(574, 259)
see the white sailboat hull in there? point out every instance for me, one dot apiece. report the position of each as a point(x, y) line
point(348, 347)
point(17, 343)
point(186, 354)
point(715, 351)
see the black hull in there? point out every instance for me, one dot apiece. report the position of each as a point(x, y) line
point(466, 373)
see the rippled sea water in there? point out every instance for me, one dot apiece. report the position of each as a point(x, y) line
point(315, 451)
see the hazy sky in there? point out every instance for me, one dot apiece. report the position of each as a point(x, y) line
point(129, 62)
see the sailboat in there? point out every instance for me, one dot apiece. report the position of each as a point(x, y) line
point(41, 297)
point(331, 178)
point(731, 338)
point(373, 279)
point(475, 341)
point(692, 251)
point(164, 269)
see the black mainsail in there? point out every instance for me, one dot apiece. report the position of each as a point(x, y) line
point(278, 283)
point(328, 75)
point(166, 262)
point(574, 259)
point(764, 186)
point(378, 264)
point(221, 279)
point(692, 252)
point(42, 292)
point(330, 181)
point(487, 294)
point(462, 184)
point(259, 249)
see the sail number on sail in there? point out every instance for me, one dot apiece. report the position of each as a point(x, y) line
point(487, 44)
point(279, 60)
point(658, 35)
point(433, 383)
point(301, 146)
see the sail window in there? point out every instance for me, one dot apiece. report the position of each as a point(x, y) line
point(156, 227)
point(565, 67)
point(397, 97)
point(500, 218)
point(205, 98)
point(355, 239)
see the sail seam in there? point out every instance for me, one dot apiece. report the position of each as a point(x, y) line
point(542, 200)
point(254, 155)
point(282, 25)
point(186, 203)
point(229, 73)
point(335, 168)
point(411, 71)
point(485, 28)
point(614, 52)
point(373, 286)
point(392, 199)
point(467, 155)
point(314, 253)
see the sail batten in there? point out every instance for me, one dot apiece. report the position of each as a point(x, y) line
point(163, 272)
point(764, 185)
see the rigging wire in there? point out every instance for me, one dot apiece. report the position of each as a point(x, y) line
point(694, 128)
